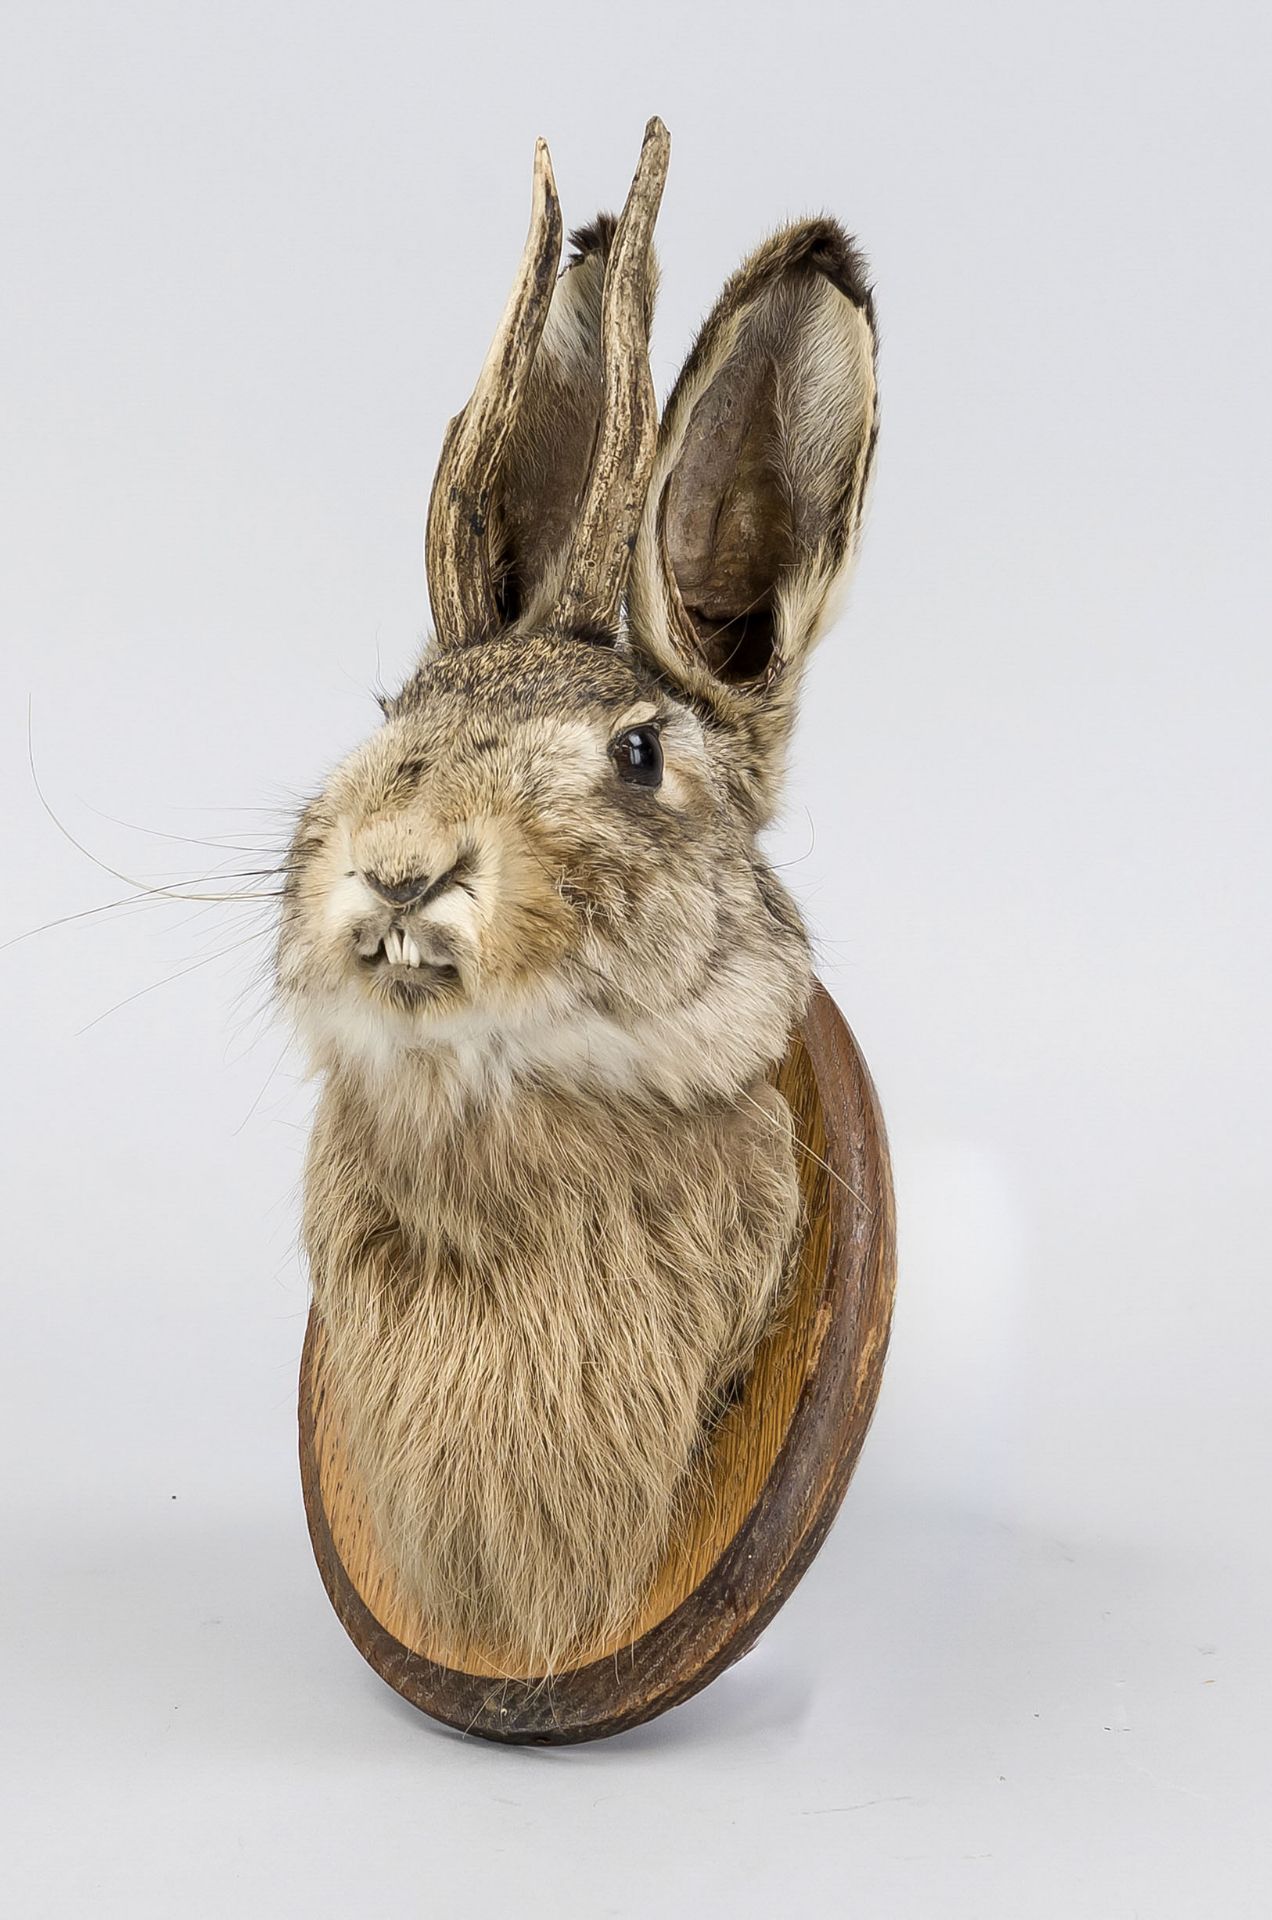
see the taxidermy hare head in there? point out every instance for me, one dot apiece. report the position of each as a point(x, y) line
point(534, 949)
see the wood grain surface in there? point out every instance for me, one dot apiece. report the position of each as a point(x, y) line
point(772, 1480)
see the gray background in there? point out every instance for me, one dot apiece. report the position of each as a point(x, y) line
point(251, 257)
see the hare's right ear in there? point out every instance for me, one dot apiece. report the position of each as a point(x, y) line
point(754, 508)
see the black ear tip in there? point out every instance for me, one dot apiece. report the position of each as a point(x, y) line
point(595, 238)
point(828, 248)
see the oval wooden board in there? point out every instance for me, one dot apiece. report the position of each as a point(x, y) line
point(776, 1471)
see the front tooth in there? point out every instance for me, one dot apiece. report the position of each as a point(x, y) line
point(411, 951)
point(393, 947)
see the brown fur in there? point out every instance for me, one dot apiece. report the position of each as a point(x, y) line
point(551, 1197)
point(532, 1318)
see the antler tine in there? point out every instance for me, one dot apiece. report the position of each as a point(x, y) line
point(456, 544)
point(600, 555)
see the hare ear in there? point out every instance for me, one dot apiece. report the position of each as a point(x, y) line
point(754, 508)
point(549, 454)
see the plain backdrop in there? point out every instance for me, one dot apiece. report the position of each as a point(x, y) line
point(250, 258)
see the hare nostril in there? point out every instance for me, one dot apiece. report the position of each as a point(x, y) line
point(417, 889)
point(400, 893)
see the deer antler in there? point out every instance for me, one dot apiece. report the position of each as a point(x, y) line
point(600, 554)
point(456, 544)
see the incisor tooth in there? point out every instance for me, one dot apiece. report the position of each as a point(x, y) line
point(412, 951)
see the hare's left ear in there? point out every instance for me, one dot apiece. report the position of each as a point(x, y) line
point(754, 508)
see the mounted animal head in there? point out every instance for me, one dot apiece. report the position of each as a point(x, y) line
point(546, 860)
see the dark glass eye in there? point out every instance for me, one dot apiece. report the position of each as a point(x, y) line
point(638, 755)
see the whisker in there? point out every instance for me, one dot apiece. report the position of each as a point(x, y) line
point(158, 833)
point(128, 879)
point(280, 813)
point(780, 866)
point(84, 913)
point(265, 1088)
point(806, 1149)
point(180, 974)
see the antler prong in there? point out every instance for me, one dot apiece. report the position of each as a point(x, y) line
point(456, 548)
point(595, 575)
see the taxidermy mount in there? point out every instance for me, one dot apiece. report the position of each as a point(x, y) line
point(537, 957)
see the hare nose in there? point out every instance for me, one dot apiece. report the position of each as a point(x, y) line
point(401, 893)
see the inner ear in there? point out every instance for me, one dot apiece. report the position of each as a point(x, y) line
point(545, 464)
point(727, 526)
point(545, 470)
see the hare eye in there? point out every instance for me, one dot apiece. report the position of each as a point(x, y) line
point(638, 755)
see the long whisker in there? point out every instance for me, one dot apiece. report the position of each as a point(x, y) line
point(154, 898)
point(180, 974)
point(265, 1088)
point(158, 833)
point(806, 1149)
point(66, 919)
point(271, 813)
point(780, 866)
point(115, 873)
